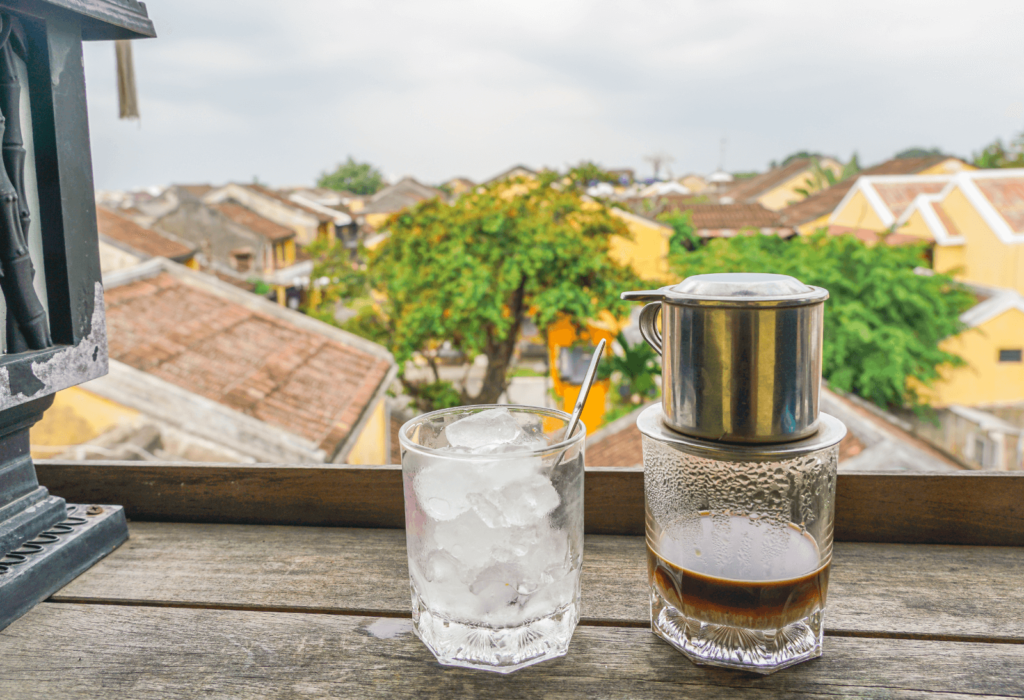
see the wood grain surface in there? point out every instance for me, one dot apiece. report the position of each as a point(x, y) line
point(961, 508)
point(902, 591)
point(95, 651)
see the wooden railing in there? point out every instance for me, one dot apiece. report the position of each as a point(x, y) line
point(977, 508)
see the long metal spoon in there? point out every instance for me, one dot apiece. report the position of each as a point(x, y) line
point(581, 400)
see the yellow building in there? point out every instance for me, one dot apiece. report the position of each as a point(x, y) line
point(812, 213)
point(977, 224)
point(201, 370)
point(777, 188)
point(646, 252)
point(876, 202)
point(992, 348)
point(567, 355)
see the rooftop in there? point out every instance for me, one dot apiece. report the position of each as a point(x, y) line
point(143, 240)
point(824, 202)
point(750, 189)
point(246, 217)
point(1006, 195)
point(245, 353)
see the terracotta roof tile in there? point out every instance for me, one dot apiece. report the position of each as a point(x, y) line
point(143, 240)
point(267, 192)
point(254, 222)
point(620, 449)
point(825, 202)
point(755, 186)
point(899, 195)
point(1007, 196)
point(722, 216)
point(295, 379)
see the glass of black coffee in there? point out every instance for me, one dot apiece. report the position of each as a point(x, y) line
point(739, 544)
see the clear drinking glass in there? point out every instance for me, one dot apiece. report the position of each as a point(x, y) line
point(739, 544)
point(495, 539)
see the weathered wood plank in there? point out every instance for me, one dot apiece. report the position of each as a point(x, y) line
point(93, 651)
point(961, 508)
point(930, 591)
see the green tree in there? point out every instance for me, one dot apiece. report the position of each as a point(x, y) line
point(918, 152)
point(684, 233)
point(638, 366)
point(588, 173)
point(821, 178)
point(996, 155)
point(472, 271)
point(350, 176)
point(883, 320)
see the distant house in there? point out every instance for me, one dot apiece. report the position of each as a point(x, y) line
point(977, 224)
point(876, 202)
point(459, 185)
point(230, 234)
point(777, 188)
point(717, 220)
point(658, 189)
point(512, 173)
point(646, 251)
point(123, 243)
point(694, 183)
point(808, 215)
point(992, 347)
point(310, 223)
point(201, 370)
point(404, 193)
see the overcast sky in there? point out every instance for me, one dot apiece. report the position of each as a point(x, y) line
point(284, 90)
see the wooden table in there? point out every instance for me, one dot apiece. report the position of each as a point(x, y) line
point(190, 610)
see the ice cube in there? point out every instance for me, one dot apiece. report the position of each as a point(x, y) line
point(442, 488)
point(476, 545)
point(484, 431)
point(519, 503)
point(496, 588)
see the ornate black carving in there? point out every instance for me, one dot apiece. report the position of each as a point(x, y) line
point(27, 325)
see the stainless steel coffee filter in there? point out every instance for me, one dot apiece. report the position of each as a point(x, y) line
point(741, 355)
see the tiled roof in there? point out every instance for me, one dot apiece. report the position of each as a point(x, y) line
point(824, 202)
point(304, 382)
point(254, 222)
point(711, 219)
point(266, 192)
point(755, 186)
point(197, 190)
point(402, 194)
point(144, 240)
point(897, 196)
point(1007, 196)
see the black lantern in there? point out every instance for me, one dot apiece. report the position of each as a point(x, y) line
point(50, 279)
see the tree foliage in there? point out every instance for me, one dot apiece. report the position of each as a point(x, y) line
point(350, 176)
point(470, 272)
point(883, 320)
point(638, 365)
point(918, 152)
point(821, 178)
point(588, 173)
point(684, 233)
point(997, 155)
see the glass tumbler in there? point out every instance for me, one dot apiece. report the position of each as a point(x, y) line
point(739, 544)
point(495, 539)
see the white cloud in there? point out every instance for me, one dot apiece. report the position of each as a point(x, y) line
point(435, 89)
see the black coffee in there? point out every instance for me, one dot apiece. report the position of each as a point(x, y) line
point(740, 571)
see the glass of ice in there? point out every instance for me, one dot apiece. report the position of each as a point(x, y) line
point(494, 526)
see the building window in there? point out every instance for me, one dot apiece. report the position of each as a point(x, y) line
point(1010, 355)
